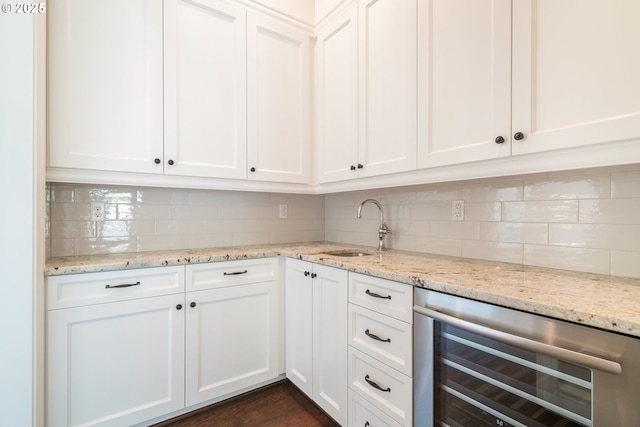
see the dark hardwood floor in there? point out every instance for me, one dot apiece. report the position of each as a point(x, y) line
point(276, 405)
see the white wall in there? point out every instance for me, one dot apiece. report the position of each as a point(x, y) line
point(21, 223)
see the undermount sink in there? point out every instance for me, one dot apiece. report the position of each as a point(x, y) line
point(347, 253)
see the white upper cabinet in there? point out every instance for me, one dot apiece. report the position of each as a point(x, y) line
point(205, 89)
point(105, 84)
point(576, 73)
point(366, 91)
point(336, 98)
point(387, 86)
point(500, 78)
point(279, 106)
point(464, 81)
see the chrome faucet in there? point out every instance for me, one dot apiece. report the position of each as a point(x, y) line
point(382, 229)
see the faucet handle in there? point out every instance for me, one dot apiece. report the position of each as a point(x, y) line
point(384, 229)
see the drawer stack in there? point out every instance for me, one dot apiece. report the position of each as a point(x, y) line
point(380, 352)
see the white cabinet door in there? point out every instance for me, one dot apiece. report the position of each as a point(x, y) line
point(464, 81)
point(336, 98)
point(115, 364)
point(316, 334)
point(330, 300)
point(233, 339)
point(576, 73)
point(387, 86)
point(279, 110)
point(205, 89)
point(105, 85)
point(298, 303)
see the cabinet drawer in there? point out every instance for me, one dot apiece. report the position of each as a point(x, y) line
point(363, 413)
point(383, 386)
point(386, 339)
point(76, 290)
point(384, 296)
point(229, 273)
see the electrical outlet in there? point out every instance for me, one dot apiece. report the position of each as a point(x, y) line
point(97, 211)
point(283, 211)
point(457, 210)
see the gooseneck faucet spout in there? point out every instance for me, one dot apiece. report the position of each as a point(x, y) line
point(383, 229)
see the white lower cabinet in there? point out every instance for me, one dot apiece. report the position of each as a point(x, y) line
point(233, 338)
point(126, 347)
point(380, 352)
point(115, 363)
point(316, 334)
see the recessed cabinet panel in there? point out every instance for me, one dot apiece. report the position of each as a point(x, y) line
point(337, 98)
point(232, 339)
point(464, 81)
point(105, 84)
point(205, 90)
point(115, 364)
point(387, 86)
point(298, 302)
point(575, 73)
point(278, 85)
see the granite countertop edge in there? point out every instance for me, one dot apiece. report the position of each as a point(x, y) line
point(601, 301)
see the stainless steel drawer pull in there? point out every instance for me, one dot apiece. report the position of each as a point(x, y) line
point(124, 285)
point(235, 273)
point(375, 337)
point(373, 294)
point(374, 385)
point(582, 359)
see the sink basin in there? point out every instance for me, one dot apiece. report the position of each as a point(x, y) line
point(347, 253)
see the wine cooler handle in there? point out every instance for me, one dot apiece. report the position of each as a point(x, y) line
point(588, 361)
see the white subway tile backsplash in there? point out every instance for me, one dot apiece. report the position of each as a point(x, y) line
point(146, 219)
point(72, 229)
point(625, 264)
point(568, 258)
point(440, 246)
point(571, 187)
point(604, 236)
point(625, 184)
point(105, 245)
point(456, 229)
point(610, 211)
point(492, 251)
point(485, 211)
point(538, 219)
point(496, 191)
point(515, 232)
point(585, 220)
point(540, 211)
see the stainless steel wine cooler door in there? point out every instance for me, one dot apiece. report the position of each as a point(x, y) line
point(481, 365)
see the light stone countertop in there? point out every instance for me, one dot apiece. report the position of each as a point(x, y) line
point(607, 302)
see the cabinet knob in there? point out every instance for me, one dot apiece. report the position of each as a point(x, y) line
point(179, 307)
point(499, 140)
point(360, 165)
point(518, 136)
point(314, 275)
point(306, 273)
point(352, 168)
point(157, 161)
point(170, 162)
point(193, 304)
point(252, 169)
